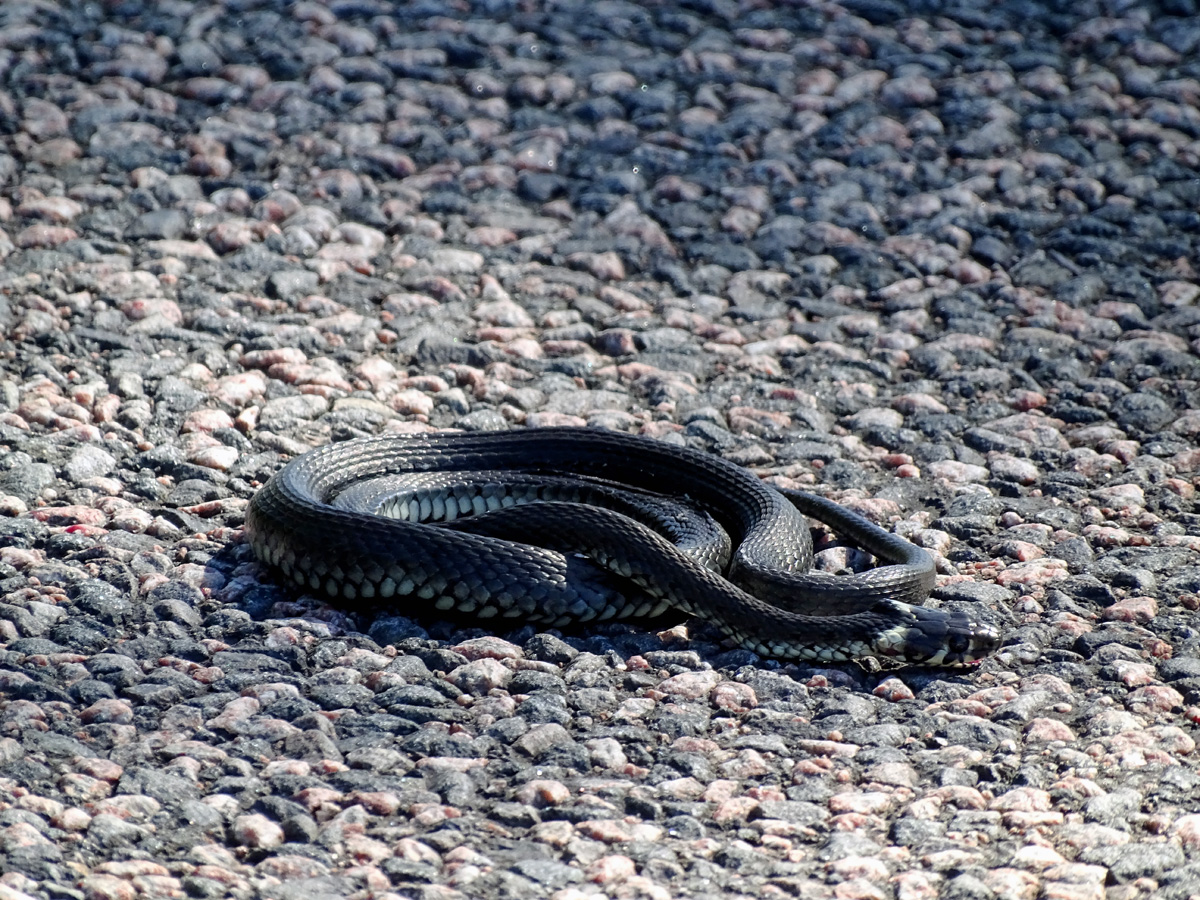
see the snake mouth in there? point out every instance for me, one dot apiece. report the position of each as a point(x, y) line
point(934, 637)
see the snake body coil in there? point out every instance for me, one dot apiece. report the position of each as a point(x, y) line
point(443, 522)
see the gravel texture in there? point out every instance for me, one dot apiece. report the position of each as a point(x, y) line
point(935, 260)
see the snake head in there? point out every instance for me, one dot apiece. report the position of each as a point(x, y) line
point(936, 637)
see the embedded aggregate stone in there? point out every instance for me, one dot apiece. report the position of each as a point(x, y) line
point(938, 267)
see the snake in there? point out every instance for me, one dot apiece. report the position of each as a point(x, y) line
point(565, 526)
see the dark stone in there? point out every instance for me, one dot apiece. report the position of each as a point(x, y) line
point(548, 648)
point(1178, 668)
point(1142, 412)
point(548, 872)
point(169, 790)
point(292, 284)
point(991, 250)
point(980, 734)
point(158, 224)
point(1135, 860)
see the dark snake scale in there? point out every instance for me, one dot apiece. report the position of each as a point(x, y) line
point(624, 527)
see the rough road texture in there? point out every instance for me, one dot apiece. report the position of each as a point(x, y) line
point(937, 261)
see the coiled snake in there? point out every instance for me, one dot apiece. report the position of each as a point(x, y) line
point(625, 527)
